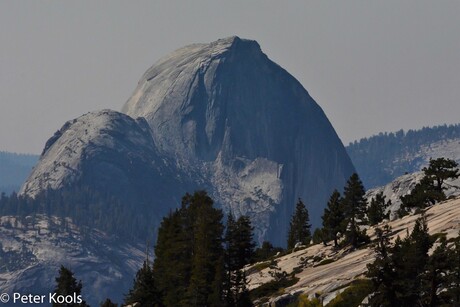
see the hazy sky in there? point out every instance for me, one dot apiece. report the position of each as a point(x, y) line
point(371, 65)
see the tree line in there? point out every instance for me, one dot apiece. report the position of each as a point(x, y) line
point(375, 158)
point(200, 255)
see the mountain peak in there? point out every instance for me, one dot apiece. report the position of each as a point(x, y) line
point(225, 111)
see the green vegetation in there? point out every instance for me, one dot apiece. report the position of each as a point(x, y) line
point(376, 210)
point(87, 209)
point(431, 188)
point(333, 218)
point(404, 274)
point(299, 227)
point(377, 158)
point(67, 285)
point(355, 207)
point(353, 295)
point(266, 252)
point(273, 287)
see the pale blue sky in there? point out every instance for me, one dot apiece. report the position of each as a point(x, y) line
point(371, 65)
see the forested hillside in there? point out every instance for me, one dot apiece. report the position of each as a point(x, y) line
point(14, 169)
point(381, 158)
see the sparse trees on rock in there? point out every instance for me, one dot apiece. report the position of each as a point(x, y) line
point(439, 170)
point(431, 188)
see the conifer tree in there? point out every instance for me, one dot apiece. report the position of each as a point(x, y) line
point(439, 170)
point(431, 188)
point(355, 209)
point(453, 278)
point(239, 252)
point(376, 210)
point(66, 284)
point(381, 271)
point(206, 232)
point(144, 291)
point(434, 278)
point(172, 265)
point(334, 217)
point(299, 227)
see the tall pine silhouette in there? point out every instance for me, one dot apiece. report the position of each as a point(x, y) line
point(299, 227)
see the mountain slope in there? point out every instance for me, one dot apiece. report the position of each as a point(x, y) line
point(381, 158)
point(227, 113)
point(33, 249)
point(327, 280)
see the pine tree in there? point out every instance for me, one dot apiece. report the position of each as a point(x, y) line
point(453, 278)
point(334, 217)
point(434, 278)
point(381, 271)
point(66, 284)
point(206, 235)
point(376, 210)
point(439, 170)
point(422, 195)
point(173, 252)
point(409, 258)
point(398, 272)
point(299, 227)
point(144, 291)
point(239, 252)
point(431, 188)
point(355, 209)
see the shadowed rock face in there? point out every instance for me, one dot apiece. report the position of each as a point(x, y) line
point(111, 153)
point(227, 114)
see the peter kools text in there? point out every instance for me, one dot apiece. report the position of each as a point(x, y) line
point(41, 299)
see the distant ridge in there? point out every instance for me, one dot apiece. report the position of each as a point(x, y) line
point(382, 158)
point(220, 117)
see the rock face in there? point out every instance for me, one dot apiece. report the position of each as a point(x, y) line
point(218, 116)
point(33, 249)
point(403, 185)
point(232, 118)
point(326, 280)
point(111, 153)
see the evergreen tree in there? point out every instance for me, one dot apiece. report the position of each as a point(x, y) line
point(453, 278)
point(355, 209)
point(172, 265)
point(299, 227)
point(239, 252)
point(431, 188)
point(66, 284)
point(398, 272)
point(439, 170)
point(144, 291)
point(334, 217)
point(422, 195)
point(376, 210)
point(206, 232)
point(265, 252)
point(434, 279)
point(381, 271)
point(409, 259)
